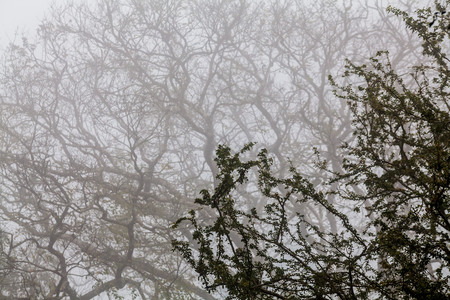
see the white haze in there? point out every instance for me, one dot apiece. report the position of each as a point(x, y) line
point(20, 16)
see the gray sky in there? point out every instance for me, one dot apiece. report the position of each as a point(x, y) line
point(22, 15)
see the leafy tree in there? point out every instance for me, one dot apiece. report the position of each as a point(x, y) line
point(393, 237)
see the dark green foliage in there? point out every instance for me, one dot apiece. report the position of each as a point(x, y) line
point(401, 156)
point(272, 254)
point(396, 173)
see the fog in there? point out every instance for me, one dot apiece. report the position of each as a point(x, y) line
point(111, 115)
point(21, 16)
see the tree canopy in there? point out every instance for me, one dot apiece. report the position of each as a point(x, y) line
point(110, 115)
point(393, 237)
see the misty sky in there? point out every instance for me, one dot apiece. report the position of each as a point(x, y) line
point(22, 15)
